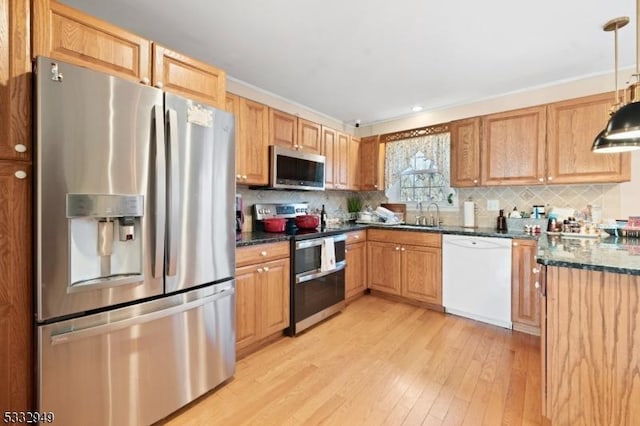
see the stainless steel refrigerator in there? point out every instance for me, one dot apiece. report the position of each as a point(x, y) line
point(135, 248)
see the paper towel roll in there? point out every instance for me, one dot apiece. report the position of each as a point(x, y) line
point(469, 214)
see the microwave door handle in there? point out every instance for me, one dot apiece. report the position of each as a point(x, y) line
point(160, 190)
point(172, 191)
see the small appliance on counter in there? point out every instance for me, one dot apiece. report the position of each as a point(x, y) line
point(239, 213)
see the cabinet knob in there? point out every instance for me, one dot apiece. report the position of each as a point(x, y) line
point(238, 176)
point(300, 147)
point(475, 181)
point(266, 269)
point(244, 177)
point(536, 285)
point(144, 80)
point(259, 270)
point(375, 186)
point(357, 237)
point(397, 248)
point(535, 270)
point(20, 174)
point(20, 148)
point(540, 179)
point(515, 243)
point(159, 85)
point(550, 178)
point(346, 250)
point(263, 253)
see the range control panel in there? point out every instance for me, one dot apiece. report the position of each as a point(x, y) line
point(265, 211)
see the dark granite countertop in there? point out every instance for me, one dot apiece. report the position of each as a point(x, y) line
point(619, 255)
point(612, 254)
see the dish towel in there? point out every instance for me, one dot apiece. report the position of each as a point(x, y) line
point(328, 255)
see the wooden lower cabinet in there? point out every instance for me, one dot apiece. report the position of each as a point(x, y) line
point(356, 272)
point(422, 273)
point(262, 292)
point(525, 303)
point(16, 297)
point(407, 264)
point(592, 347)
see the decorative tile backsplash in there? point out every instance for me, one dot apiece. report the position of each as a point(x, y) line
point(523, 197)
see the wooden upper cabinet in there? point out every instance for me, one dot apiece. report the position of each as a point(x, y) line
point(252, 149)
point(283, 129)
point(353, 164)
point(465, 152)
point(341, 163)
point(15, 75)
point(371, 164)
point(571, 128)
point(329, 146)
point(188, 77)
point(309, 136)
point(525, 300)
point(61, 32)
point(513, 147)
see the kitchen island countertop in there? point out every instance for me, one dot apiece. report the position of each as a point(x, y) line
point(611, 254)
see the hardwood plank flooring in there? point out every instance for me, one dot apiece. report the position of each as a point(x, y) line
point(382, 362)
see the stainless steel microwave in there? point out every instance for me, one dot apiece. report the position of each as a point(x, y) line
point(291, 169)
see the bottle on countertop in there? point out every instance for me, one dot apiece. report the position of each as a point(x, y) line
point(323, 217)
point(501, 222)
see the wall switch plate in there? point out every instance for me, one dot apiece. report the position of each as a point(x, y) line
point(493, 205)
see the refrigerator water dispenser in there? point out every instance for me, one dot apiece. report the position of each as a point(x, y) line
point(105, 248)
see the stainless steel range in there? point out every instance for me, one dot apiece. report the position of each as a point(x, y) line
point(317, 266)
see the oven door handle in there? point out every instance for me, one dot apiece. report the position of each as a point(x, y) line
point(319, 241)
point(308, 277)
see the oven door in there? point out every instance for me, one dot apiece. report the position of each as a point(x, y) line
point(316, 294)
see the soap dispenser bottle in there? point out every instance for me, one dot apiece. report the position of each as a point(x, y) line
point(502, 222)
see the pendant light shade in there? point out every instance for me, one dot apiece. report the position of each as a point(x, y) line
point(601, 145)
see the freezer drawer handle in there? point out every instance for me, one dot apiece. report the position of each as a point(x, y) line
point(72, 336)
point(105, 282)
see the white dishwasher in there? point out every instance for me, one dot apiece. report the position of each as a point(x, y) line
point(476, 278)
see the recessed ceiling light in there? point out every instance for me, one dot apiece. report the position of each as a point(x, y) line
point(416, 108)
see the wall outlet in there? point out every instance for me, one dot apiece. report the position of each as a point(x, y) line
point(493, 205)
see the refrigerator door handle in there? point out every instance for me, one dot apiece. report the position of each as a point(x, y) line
point(173, 189)
point(160, 191)
point(71, 336)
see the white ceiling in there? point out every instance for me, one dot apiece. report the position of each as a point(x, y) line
point(373, 60)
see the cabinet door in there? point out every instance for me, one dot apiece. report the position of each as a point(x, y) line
point(247, 305)
point(465, 152)
point(353, 164)
point(422, 273)
point(252, 152)
point(61, 32)
point(356, 273)
point(188, 77)
point(384, 267)
point(283, 129)
point(571, 128)
point(525, 303)
point(513, 147)
point(15, 75)
point(329, 144)
point(16, 308)
point(274, 297)
point(341, 156)
point(309, 136)
point(371, 164)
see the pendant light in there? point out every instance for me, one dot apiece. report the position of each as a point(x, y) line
point(623, 129)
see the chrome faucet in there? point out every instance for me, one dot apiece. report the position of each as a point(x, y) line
point(434, 221)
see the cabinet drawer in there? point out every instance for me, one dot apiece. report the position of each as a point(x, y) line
point(431, 239)
point(356, 236)
point(261, 253)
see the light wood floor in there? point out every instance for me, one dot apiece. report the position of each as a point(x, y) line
point(382, 362)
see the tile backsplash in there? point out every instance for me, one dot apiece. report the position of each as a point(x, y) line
point(523, 197)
